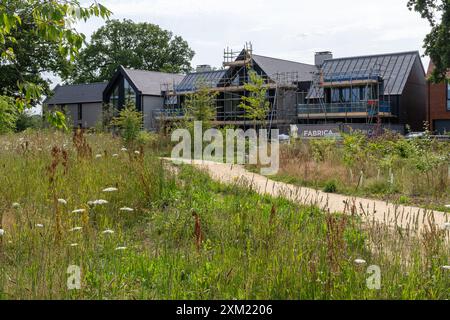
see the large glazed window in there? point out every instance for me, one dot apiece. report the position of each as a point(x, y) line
point(130, 94)
point(115, 97)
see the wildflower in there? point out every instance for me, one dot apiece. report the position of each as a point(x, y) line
point(98, 202)
point(446, 267)
point(98, 156)
point(115, 155)
point(2, 232)
point(110, 190)
point(124, 149)
point(62, 201)
point(137, 152)
point(108, 231)
point(76, 229)
point(126, 209)
point(79, 211)
point(16, 205)
point(74, 245)
point(121, 248)
point(360, 261)
point(39, 225)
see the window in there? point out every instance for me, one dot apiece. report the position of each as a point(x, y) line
point(80, 111)
point(115, 98)
point(355, 95)
point(335, 95)
point(448, 95)
point(130, 95)
point(346, 93)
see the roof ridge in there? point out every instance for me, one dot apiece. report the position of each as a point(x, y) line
point(212, 71)
point(79, 84)
point(306, 64)
point(376, 55)
point(152, 71)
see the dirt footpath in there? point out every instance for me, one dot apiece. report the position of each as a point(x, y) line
point(388, 213)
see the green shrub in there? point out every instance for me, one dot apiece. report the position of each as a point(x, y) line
point(330, 187)
point(404, 200)
point(130, 123)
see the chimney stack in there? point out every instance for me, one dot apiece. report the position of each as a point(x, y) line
point(321, 57)
point(203, 68)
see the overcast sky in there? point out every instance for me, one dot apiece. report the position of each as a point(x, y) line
point(289, 29)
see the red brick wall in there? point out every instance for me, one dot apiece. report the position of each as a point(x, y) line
point(437, 102)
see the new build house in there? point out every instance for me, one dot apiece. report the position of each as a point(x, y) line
point(438, 111)
point(82, 103)
point(387, 89)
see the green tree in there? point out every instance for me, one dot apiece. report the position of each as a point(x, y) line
point(48, 24)
point(8, 115)
point(201, 106)
point(255, 105)
point(134, 45)
point(437, 42)
point(33, 55)
point(130, 122)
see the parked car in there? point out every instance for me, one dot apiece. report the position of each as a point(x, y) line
point(415, 135)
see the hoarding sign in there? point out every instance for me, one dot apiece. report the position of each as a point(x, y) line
point(319, 131)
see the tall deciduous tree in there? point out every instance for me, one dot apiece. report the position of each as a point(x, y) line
point(134, 45)
point(46, 23)
point(33, 55)
point(437, 42)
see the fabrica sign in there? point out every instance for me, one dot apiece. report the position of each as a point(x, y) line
point(319, 131)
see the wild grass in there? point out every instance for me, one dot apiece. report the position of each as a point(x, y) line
point(415, 172)
point(187, 237)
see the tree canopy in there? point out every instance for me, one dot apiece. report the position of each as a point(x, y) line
point(134, 45)
point(37, 36)
point(33, 54)
point(437, 42)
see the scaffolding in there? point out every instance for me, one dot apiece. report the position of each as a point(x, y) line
point(371, 104)
point(230, 89)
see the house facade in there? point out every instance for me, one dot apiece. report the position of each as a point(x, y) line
point(383, 89)
point(438, 106)
point(82, 103)
point(361, 92)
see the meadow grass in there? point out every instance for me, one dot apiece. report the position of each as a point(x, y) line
point(389, 168)
point(187, 237)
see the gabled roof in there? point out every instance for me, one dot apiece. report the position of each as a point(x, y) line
point(393, 68)
point(193, 80)
point(77, 93)
point(149, 82)
point(273, 66)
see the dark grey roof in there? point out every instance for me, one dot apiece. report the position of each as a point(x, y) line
point(273, 66)
point(393, 68)
point(193, 80)
point(77, 93)
point(149, 82)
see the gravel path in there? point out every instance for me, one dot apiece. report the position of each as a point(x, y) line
point(388, 213)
